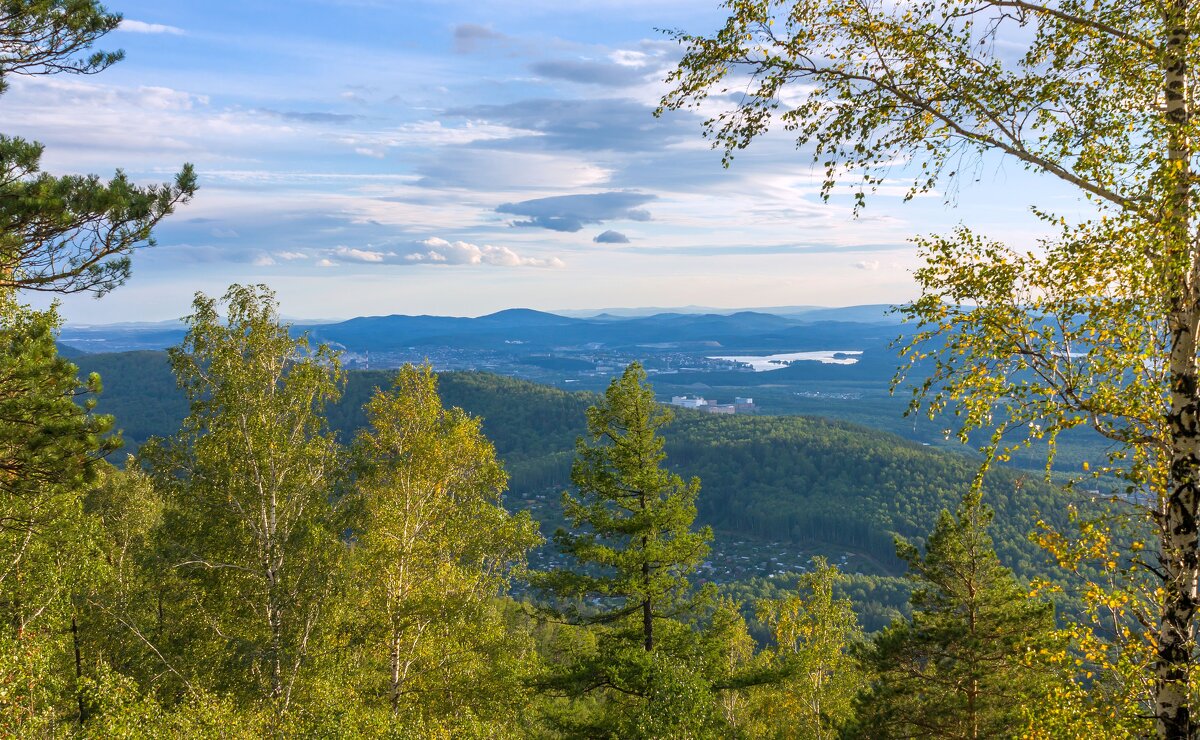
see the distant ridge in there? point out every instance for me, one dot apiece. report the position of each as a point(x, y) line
point(526, 330)
point(875, 313)
point(525, 317)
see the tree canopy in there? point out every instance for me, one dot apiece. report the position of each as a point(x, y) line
point(1096, 323)
point(71, 233)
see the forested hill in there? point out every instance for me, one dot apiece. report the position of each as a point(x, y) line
point(811, 481)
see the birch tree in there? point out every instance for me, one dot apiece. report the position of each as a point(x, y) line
point(433, 551)
point(248, 483)
point(814, 632)
point(1093, 326)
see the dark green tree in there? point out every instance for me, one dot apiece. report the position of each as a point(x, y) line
point(68, 234)
point(634, 546)
point(50, 447)
point(966, 662)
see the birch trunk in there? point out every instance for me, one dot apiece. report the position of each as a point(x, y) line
point(1176, 637)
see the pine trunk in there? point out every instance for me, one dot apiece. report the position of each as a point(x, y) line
point(647, 609)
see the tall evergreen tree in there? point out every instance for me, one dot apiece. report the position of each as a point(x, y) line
point(634, 546)
point(965, 663)
point(50, 449)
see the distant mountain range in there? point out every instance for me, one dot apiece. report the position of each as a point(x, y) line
point(868, 314)
point(521, 330)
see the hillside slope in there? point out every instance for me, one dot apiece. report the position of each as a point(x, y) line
point(822, 486)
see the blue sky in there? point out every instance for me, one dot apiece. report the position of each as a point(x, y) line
point(373, 157)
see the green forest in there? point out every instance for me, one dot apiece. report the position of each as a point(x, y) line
point(258, 571)
point(288, 549)
point(784, 478)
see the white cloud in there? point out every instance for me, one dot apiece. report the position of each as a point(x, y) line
point(263, 260)
point(867, 265)
point(326, 263)
point(464, 253)
point(430, 134)
point(143, 27)
point(289, 256)
point(362, 255)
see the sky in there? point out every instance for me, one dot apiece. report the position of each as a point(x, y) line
point(369, 157)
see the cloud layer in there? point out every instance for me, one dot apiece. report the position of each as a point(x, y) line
point(438, 251)
point(571, 212)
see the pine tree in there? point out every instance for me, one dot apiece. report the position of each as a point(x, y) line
point(634, 546)
point(50, 449)
point(966, 662)
point(72, 233)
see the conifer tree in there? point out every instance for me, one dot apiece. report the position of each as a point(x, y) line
point(72, 233)
point(634, 546)
point(965, 664)
point(50, 449)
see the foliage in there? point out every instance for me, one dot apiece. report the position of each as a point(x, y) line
point(1094, 325)
point(772, 478)
point(249, 482)
point(1104, 687)
point(50, 450)
point(433, 550)
point(970, 657)
point(49, 445)
point(814, 633)
point(68, 234)
point(632, 541)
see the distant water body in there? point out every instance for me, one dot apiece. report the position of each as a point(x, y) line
point(766, 363)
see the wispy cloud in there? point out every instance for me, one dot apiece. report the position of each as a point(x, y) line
point(437, 251)
point(469, 37)
point(143, 27)
point(591, 72)
point(349, 254)
point(312, 116)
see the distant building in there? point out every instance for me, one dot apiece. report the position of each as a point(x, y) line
point(712, 407)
